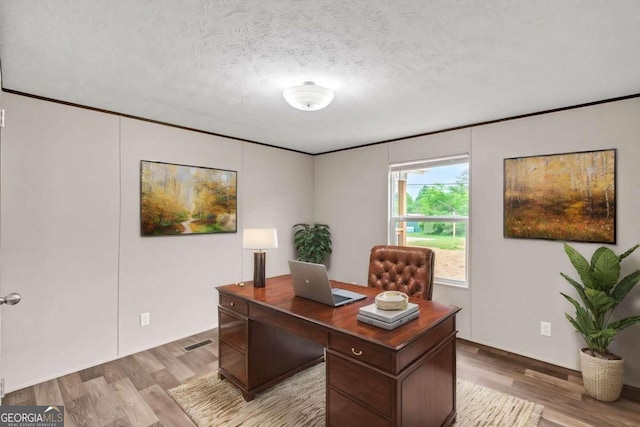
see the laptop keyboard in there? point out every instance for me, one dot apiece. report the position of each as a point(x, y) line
point(339, 298)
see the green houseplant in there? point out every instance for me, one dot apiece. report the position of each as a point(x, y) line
point(312, 242)
point(600, 292)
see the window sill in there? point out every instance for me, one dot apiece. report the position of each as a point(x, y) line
point(461, 286)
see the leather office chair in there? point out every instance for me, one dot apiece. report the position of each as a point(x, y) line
point(402, 268)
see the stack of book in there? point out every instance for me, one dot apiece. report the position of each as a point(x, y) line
point(387, 319)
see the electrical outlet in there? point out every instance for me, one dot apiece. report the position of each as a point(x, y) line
point(144, 319)
point(545, 329)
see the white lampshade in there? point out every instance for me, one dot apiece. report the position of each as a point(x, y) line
point(260, 238)
point(308, 96)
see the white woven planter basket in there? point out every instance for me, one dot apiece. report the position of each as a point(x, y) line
point(603, 379)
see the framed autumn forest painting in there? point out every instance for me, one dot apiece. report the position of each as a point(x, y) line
point(570, 196)
point(179, 199)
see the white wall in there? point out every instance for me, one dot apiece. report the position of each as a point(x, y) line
point(429, 147)
point(514, 283)
point(70, 238)
point(171, 277)
point(351, 197)
point(278, 192)
point(351, 190)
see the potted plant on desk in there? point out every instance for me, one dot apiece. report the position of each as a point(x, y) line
point(312, 242)
point(600, 293)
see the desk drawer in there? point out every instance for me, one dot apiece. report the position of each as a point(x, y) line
point(362, 351)
point(425, 343)
point(234, 362)
point(234, 304)
point(233, 329)
point(344, 412)
point(371, 389)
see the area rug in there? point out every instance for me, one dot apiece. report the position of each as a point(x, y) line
point(300, 401)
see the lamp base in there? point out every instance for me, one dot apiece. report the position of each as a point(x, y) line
point(259, 262)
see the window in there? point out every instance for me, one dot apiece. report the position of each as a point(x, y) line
point(429, 204)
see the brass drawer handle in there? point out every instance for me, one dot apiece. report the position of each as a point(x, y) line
point(357, 353)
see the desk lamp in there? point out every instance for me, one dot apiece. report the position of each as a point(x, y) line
point(259, 239)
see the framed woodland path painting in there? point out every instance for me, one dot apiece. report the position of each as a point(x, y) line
point(179, 199)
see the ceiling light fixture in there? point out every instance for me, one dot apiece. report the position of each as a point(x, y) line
point(308, 96)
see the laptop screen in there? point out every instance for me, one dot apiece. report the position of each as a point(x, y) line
point(311, 281)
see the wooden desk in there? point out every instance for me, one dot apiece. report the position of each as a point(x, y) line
point(405, 377)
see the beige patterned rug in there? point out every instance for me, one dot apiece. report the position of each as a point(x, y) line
point(300, 401)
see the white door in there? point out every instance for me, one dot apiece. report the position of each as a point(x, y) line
point(11, 298)
point(1, 371)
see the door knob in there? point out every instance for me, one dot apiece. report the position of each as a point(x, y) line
point(11, 299)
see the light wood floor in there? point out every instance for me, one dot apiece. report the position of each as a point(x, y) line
point(132, 391)
point(559, 390)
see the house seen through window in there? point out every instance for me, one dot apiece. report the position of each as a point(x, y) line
point(429, 203)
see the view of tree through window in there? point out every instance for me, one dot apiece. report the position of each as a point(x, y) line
point(431, 208)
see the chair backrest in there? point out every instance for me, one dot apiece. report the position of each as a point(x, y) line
point(407, 269)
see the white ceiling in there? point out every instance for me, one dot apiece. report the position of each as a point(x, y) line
point(398, 68)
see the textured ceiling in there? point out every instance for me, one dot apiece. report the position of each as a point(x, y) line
point(398, 68)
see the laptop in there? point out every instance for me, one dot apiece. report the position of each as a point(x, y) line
point(311, 281)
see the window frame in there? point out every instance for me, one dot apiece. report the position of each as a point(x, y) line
point(396, 220)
